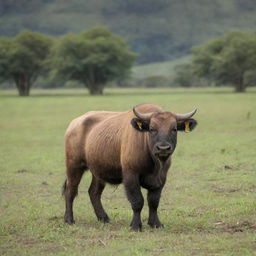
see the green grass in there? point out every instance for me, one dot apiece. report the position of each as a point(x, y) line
point(208, 204)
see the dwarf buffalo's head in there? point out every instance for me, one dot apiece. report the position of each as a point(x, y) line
point(162, 128)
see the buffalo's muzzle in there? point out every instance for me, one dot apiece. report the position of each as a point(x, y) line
point(163, 151)
point(166, 147)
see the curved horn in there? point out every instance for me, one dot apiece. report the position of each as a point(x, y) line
point(181, 117)
point(143, 116)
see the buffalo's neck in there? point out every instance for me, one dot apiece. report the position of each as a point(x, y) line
point(156, 175)
point(160, 169)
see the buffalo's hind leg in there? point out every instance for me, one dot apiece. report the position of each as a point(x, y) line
point(96, 188)
point(70, 190)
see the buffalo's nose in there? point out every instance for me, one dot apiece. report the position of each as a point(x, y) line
point(164, 147)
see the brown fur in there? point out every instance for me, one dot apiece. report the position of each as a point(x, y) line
point(107, 144)
point(102, 140)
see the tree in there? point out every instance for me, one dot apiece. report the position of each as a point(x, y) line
point(185, 76)
point(22, 59)
point(230, 59)
point(93, 58)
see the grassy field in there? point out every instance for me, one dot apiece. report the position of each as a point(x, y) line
point(208, 205)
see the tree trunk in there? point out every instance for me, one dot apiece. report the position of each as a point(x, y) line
point(23, 91)
point(23, 85)
point(240, 87)
point(95, 90)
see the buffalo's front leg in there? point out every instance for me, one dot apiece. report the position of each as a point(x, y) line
point(153, 202)
point(96, 188)
point(135, 197)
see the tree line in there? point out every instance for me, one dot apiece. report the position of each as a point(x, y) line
point(97, 57)
point(92, 58)
point(227, 60)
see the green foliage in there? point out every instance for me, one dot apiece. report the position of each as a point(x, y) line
point(186, 77)
point(93, 58)
point(22, 59)
point(230, 59)
point(158, 30)
point(6, 45)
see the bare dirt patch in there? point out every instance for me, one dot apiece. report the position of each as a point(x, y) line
point(218, 189)
point(236, 227)
point(22, 171)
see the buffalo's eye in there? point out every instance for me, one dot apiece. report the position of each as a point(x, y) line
point(152, 130)
point(174, 130)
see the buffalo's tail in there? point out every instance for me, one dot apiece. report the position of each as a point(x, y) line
point(64, 187)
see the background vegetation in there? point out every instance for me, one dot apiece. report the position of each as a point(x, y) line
point(156, 30)
point(161, 33)
point(93, 58)
point(22, 59)
point(98, 58)
point(207, 206)
point(230, 59)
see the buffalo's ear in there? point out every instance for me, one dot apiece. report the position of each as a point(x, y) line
point(186, 125)
point(140, 125)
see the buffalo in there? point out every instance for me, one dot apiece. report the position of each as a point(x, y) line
point(133, 147)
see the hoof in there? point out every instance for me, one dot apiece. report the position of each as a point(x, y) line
point(104, 219)
point(155, 224)
point(69, 221)
point(137, 227)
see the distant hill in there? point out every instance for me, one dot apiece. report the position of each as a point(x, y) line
point(165, 68)
point(158, 30)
